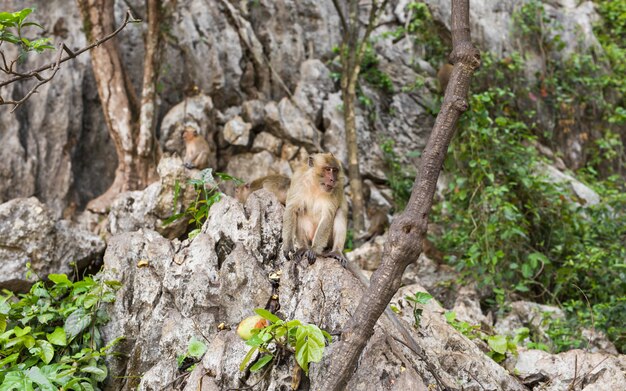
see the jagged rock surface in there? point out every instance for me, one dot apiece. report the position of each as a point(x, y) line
point(172, 291)
point(29, 234)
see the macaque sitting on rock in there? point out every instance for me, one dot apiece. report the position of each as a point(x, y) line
point(197, 150)
point(316, 214)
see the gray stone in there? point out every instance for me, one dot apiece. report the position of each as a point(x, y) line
point(29, 234)
point(237, 131)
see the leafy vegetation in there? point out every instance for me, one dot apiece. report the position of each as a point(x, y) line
point(499, 345)
point(508, 225)
point(305, 341)
point(49, 337)
point(207, 193)
point(12, 29)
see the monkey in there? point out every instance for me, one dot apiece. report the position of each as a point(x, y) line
point(444, 76)
point(379, 221)
point(277, 184)
point(197, 149)
point(316, 212)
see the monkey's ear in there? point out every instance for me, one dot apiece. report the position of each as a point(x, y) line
point(247, 185)
point(310, 161)
point(195, 132)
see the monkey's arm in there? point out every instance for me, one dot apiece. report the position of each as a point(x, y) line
point(323, 233)
point(202, 160)
point(340, 228)
point(289, 226)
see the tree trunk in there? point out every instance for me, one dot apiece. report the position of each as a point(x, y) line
point(407, 232)
point(136, 169)
point(348, 92)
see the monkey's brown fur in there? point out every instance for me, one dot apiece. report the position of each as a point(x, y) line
point(197, 150)
point(444, 76)
point(316, 214)
point(379, 221)
point(277, 184)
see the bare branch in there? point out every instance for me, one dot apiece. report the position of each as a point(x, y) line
point(129, 18)
point(42, 81)
point(342, 18)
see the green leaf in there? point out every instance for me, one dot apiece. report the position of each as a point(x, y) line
point(450, 316)
point(35, 374)
point(47, 351)
point(3, 323)
point(246, 359)
point(57, 337)
point(420, 297)
point(309, 346)
point(60, 279)
point(196, 348)
point(263, 361)
point(99, 371)
point(76, 323)
point(498, 343)
point(267, 315)
point(16, 380)
point(9, 359)
point(93, 369)
point(19, 332)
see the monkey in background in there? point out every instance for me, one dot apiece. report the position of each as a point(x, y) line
point(276, 184)
point(379, 221)
point(197, 150)
point(316, 214)
point(444, 76)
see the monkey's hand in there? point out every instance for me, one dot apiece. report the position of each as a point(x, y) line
point(306, 253)
point(338, 255)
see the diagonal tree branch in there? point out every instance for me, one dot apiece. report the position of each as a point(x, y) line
point(407, 232)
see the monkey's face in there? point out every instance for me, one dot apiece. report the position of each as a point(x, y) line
point(330, 175)
point(189, 134)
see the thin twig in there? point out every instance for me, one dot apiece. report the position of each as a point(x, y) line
point(129, 18)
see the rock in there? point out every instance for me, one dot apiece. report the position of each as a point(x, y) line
point(370, 154)
point(253, 112)
point(148, 208)
point(29, 234)
point(174, 291)
point(467, 307)
point(490, 23)
point(237, 131)
point(574, 369)
point(286, 120)
point(586, 196)
point(314, 86)
point(368, 255)
point(250, 166)
point(265, 141)
point(528, 314)
point(48, 150)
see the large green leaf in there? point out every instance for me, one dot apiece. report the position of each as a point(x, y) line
point(309, 345)
point(37, 376)
point(16, 380)
point(57, 337)
point(47, 351)
point(76, 322)
point(498, 343)
point(267, 315)
point(263, 361)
